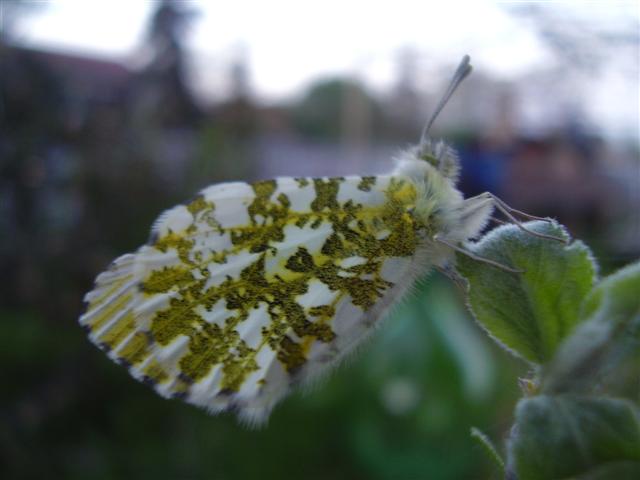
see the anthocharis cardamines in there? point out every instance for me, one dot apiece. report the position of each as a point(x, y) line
point(251, 289)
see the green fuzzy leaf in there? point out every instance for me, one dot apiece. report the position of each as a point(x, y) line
point(619, 293)
point(564, 436)
point(529, 313)
point(488, 447)
point(604, 352)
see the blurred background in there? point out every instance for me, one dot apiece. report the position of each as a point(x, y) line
point(113, 111)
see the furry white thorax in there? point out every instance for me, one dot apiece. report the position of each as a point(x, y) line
point(433, 167)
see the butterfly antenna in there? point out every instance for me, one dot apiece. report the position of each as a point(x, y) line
point(464, 69)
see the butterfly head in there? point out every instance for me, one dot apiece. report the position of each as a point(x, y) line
point(440, 156)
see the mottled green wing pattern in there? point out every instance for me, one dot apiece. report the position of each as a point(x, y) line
point(250, 289)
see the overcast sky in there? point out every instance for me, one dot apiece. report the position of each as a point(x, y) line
point(287, 43)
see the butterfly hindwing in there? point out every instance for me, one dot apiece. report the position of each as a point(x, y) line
point(252, 288)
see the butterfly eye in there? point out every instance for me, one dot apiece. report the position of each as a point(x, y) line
point(430, 158)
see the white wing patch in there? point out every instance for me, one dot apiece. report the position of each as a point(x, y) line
point(253, 288)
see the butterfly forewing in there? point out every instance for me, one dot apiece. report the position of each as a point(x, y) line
point(251, 288)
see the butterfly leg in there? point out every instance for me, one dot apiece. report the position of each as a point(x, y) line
point(452, 274)
point(517, 212)
point(509, 212)
point(476, 257)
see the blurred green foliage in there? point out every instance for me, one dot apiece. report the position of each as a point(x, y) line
point(330, 105)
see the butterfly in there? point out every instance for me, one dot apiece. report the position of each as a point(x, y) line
point(251, 289)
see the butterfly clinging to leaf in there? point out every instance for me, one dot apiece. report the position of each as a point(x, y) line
point(251, 289)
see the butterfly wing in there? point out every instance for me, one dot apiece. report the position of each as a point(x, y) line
point(253, 288)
